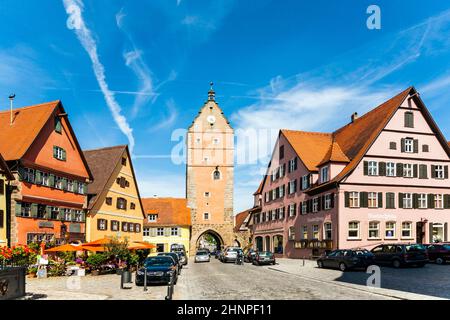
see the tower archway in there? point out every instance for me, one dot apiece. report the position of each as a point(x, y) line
point(209, 239)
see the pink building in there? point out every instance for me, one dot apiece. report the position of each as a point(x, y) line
point(381, 178)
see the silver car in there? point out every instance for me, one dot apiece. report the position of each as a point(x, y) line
point(230, 254)
point(202, 256)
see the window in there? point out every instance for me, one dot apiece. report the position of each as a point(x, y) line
point(108, 201)
point(131, 227)
point(315, 204)
point(407, 200)
point(353, 230)
point(373, 168)
point(407, 170)
point(324, 174)
point(101, 224)
point(207, 194)
point(327, 203)
point(354, 199)
point(281, 191)
point(425, 148)
point(439, 172)
point(281, 152)
point(291, 233)
point(114, 225)
point(215, 141)
point(137, 227)
point(305, 182)
point(58, 125)
point(174, 231)
point(68, 215)
point(292, 186)
point(374, 230)
point(160, 232)
point(59, 153)
point(304, 207)
point(393, 145)
point(152, 217)
point(206, 216)
point(54, 212)
point(70, 185)
point(390, 229)
point(390, 169)
point(26, 209)
point(121, 203)
point(267, 197)
point(216, 175)
point(305, 232)
point(281, 169)
point(124, 161)
point(81, 187)
point(292, 209)
point(327, 231)
point(373, 200)
point(45, 179)
point(274, 194)
point(132, 206)
point(438, 201)
point(281, 210)
point(315, 229)
point(422, 201)
point(29, 175)
point(146, 232)
point(41, 211)
point(406, 229)
point(409, 119)
point(292, 165)
point(409, 145)
point(58, 183)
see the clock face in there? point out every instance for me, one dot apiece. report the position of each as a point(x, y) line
point(211, 119)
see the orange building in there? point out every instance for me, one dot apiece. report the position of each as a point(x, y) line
point(48, 197)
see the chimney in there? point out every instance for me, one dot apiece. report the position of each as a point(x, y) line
point(11, 99)
point(354, 116)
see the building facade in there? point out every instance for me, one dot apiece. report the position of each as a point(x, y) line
point(167, 223)
point(5, 178)
point(209, 175)
point(114, 205)
point(381, 178)
point(49, 193)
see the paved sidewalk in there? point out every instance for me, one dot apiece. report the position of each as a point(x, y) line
point(309, 270)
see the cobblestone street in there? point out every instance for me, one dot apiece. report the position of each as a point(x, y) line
point(289, 279)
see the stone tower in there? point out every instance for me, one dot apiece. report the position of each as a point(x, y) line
point(209, 175)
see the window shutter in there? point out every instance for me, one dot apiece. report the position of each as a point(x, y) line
point(38, 177)
point(399, 170)
point(347, 199)
point(319, 203)
point(447, 201)
point(366, 168)
point(58, 124)
point(309, 205)
point(48, 212)
point(300, 208)
point(61, 214)
point(98, 224)
point(433, 171)
point(167, 232)
point(446, 172)
point(18, 209)
point(64, 154)
point(416, 146)
point(415, 200)
point(363, 199)
point(430, 231)
point(83, 216)
point(380, 200)
point(22, 173)
point(295, 163)
point(64, 184)
point(85, 188)
point(423, 171)
point(382, 169)
point(390, 200)
point(51, 180)
point(414, 170)
point(402, 143)
point(446, 232)
point(430, 201)
point(34, 210)
point(401, 196)
point(75, 186)
point(55, 152)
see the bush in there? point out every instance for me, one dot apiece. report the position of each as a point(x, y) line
point(96, 260)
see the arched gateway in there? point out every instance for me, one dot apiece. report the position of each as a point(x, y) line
point(209, 175)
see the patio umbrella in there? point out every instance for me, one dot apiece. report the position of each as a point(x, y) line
point(99, 242)
point(139, 245)
point(65, 248)
point(93, 248)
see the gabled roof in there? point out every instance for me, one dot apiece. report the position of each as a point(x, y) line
point(103, 162)
point(334, 154)
point(28, 122)
point(171, 211)
point(4, 169)
point(16, 139)
point(240, 218)
point(261, 186)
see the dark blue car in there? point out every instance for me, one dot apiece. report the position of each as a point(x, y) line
point(159, 270)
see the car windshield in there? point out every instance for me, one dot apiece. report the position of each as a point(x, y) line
point(265, 254)
point(159, 261)
point(202, 253)
point(415, 248)
point(446, 246)
point(173, 255)
point(361, 252)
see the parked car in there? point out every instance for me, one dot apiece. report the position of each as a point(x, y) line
point(229, 254)
point(438, 252)
point(249, 255)
point(264, 257)
point(346, 259)
point(202, 256)
point(398, 255)
point(183, 258)
point(175, 257)
point(159, 270)
point(181, 251)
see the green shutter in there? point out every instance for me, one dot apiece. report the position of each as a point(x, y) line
point(85, 188)
point(433, 171)
point(18, 209)
point(402, 144)
point(414, 170)
point(22, 173)
point(366, 168)
point(401, 196)
point(415, 200)
point(399, 169)
point(34, 210)
point(64, 154)
point(58, 124)
point(446, 172)
point(64, 184)
point(75, 186)
point(38, 177)
point(83, 216)
point(51, 180)
point(447, 201)
point(48, 211)
point(416, 146)
point(347, 199)
point(55, 152)
point(382, 169)
point(363, 199)
point(380, 200)
point(423, 171)
point(61, 214)
point(430, 201)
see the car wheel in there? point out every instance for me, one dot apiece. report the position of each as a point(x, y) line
point(439, 261)
point(320, 264)
point(342, 266)
point(396, 263)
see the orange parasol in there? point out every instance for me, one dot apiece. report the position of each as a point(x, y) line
point(140, 245)
point(99, 242)
point(65, 248)
point(93, 248)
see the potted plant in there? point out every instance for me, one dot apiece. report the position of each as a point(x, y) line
point(94, 262)
point(32, 270)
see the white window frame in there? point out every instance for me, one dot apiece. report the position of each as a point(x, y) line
point(174, 231)
point(305, 232)
point(357, 229)
point(291, 233)
point(439, 172)
point(324, 174)
point(373, 168)
point(372, 199)
point(438, 201)
point(291, 210)
point(407, 170)
point(292, 186)
point(152, 217)
point(327, 204)
point(146, 232)
point(374, 226)
point(281, 171)
point(423, 201)
point(281, 191)
point(387, 229)
point(305, 182)
point(59, 153)
point(315, 204)
point(354, 199)
point(315, 231)
point(304, 207)
point(391, 169)
point(159, 232)
point(45, 179)
point(409, 230)
point(292, 165)
point(327, 227)
point(409, 145)
point(407, 200)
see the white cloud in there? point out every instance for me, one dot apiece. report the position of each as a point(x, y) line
point(75, 21)
point(170, 118)
point(162, 184)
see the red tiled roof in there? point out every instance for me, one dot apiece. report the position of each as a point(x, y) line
point(240, 218)
point(334, 154)
point(171, 211)
point(4, 169)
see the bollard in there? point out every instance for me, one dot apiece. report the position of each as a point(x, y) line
point(145, 279)
point(170, 287)
point(303, 260)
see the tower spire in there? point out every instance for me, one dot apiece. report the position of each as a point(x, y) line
point(211, 92)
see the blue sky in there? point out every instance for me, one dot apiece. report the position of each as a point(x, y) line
point(136, 71)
